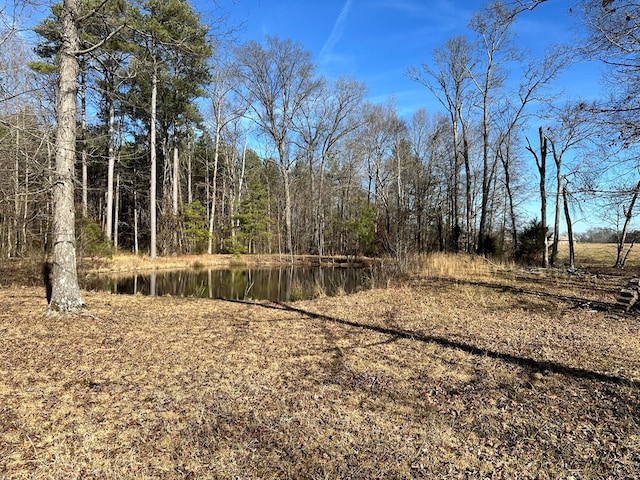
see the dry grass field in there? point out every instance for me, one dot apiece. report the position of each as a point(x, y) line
point(464, 369)
point(600, 254)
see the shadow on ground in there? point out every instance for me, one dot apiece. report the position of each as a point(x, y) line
point(529, 363)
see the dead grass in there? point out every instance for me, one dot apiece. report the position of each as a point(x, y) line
point(469, 371)
point(599, 255)
point(602, 254)
point(128, 262)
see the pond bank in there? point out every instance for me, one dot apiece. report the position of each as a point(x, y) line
point(28, 271)
point(143, 262)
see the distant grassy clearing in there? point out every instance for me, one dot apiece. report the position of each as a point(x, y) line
point(598, 254)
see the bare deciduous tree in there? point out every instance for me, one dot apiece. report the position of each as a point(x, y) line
point(449, 81)
point(570, 129)
point(493, 27)
point(536, 76)
point(323, 123)
point(541, 163)
point(277, 79)
point(225, 111)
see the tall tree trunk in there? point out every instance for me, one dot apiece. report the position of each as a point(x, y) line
point(223, 195)
point(83, 133)
point(512, 212)
point(400, 220)
point(559, 196)
point(314, 243)
point(567, 216)
point(25, 209)
point(486, 182)
point(541, 163)
point(542, 168)
point(287, 210)
point(16, 191)
point(207, 184)
point(455, 204)
point(236, 224)
point(287, 198)
point(320, 208)
point(176, 179)
point(628, 215)
point(65, 293)
point(153, 181)
point(111, 159)
point(116, 213)
point(135, 222)
point(214, 189)
point(468, 199)
point(189, 175)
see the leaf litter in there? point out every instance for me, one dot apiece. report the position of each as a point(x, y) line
point(425, 379)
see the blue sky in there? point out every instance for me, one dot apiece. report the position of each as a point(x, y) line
point(375, 41)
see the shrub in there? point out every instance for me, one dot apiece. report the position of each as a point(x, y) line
point(234, 246)
point(195, 227)
point(92, 241)
point(531, 243)
point(487, 245)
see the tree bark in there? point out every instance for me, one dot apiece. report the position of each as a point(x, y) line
point(15, 245)
point(559, 198)
point(153, 180)
point(189, 174)
point(542, 168)
point(541, 163)
point(135, 222)
point(287, 209)
point(116, 214)
point(236, 223)
point(176, 178)
point(486, 184)
point(468, 200)
point(65, 293)
point(320, 208)
point(628, 215)
point(110, 169)
point(567, 216)
point(214, 189)
point(509, 192)
point(286, 185)
point(83, 130)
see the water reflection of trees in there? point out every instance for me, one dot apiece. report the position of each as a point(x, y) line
point(276, 284)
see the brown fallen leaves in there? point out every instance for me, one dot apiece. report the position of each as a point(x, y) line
point(430, 379)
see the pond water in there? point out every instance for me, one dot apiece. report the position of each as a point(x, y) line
point(275, 284)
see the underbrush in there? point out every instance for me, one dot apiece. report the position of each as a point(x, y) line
point(450, 265)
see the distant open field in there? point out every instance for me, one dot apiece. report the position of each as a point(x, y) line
point(599, 254)
point(465, 369)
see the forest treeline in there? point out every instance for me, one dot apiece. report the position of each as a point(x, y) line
point(188, 141)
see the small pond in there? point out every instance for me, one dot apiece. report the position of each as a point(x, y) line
point(275, 284)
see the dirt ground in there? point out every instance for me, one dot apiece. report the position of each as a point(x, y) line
point(493, 374)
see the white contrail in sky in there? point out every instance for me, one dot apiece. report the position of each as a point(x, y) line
point(338, 28)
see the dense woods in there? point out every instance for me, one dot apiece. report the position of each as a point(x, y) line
point(187, 141)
